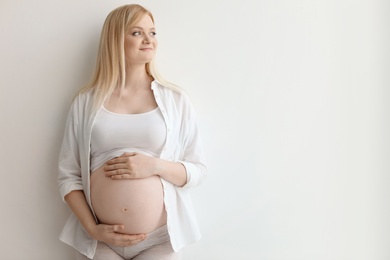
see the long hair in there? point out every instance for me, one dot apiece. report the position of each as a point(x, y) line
point(110, 70)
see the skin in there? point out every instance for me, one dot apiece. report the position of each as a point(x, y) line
point(135, 97)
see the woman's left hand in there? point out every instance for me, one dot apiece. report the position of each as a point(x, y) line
point(131, 166)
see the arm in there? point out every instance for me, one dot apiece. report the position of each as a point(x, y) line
point(77, 203)
point(106, 233)
point(192, 156)
point(188, 171)
point(138, 166)
point(173, 172)
point(71, 188)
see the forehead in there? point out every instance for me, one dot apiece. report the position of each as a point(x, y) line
point(145, 21)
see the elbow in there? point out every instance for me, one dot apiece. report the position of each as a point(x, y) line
point(196, 175)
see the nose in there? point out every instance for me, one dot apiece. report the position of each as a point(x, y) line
point(146, 39)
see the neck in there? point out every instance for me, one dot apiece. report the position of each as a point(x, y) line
point(137, 78)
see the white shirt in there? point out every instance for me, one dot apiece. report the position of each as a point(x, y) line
point(182, 145)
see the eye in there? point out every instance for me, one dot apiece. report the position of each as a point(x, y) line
point(153, 34)
point(136, 33)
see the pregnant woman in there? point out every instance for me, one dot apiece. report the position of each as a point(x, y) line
point(131, 152)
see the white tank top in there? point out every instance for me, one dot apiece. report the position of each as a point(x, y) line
point(114, 134)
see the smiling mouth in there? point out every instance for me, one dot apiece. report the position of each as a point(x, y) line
point(146, 49)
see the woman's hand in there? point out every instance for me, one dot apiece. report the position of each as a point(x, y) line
point(131, 166)
point(110, 234)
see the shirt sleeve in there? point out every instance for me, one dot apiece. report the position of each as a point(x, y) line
point(192, 149)
point(69, 169)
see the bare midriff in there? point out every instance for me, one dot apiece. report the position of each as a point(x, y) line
point(137, 204)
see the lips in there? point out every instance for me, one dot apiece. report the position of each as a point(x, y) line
point(146, 49)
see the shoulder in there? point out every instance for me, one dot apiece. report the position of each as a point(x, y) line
point(171, 92)
point(82, 105)
point(83, 99)
point(84, 96)
point(177, 102)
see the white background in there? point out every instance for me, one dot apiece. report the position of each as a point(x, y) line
point(292, 98)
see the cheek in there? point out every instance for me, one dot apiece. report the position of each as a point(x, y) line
point(131, 44)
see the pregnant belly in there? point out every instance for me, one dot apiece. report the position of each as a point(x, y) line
point(137, 204)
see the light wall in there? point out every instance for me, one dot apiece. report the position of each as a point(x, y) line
point(292, 98)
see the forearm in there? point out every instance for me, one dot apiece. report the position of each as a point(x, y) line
point(78, 204)
point(174, 172)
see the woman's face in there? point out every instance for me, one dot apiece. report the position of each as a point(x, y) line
point(141, 42)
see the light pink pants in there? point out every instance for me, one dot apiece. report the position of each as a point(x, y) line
point(157, 245)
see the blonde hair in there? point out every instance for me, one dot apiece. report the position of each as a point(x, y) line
point(110, 70)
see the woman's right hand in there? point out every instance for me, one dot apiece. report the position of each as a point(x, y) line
point(111, 234)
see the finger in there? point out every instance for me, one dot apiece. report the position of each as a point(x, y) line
point(138, 236)
point(117, 228)
point(116, 166)
point(117, 160)
point(125, 176)
point(128, 240)
point(119, 173)
point(134, 242)
point(128, 154)
point(135, 238)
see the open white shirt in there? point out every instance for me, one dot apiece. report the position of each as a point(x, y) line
point(182, 145)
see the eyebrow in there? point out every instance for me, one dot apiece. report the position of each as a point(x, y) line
point(137, 27)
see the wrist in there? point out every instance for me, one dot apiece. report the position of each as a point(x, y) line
point(158, 166)
point(92, 231)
